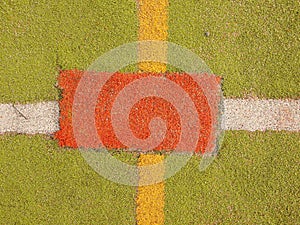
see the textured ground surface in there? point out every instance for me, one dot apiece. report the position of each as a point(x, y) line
point(254, 180)
point(239, 114)
point(257, 56)
point(42, 184)
point(253, 45)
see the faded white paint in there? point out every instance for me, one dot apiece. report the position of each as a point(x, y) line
point(240, 114)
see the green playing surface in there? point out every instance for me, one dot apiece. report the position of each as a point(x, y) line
point(253, 45)
point(254, 180)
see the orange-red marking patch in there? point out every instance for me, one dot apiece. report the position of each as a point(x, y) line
point(141, 113)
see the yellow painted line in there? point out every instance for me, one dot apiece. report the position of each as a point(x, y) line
point(150, 199)
point(153, 25)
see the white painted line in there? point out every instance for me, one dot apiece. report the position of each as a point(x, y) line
point(252, 115)
point(240, 114)
point(30, 118)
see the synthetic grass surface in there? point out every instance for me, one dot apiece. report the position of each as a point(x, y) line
point(254, 45)
point(27, 54)
point(39, 38)
point(254, 180)
point(42, 184)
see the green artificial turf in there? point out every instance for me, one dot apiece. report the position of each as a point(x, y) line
point(38, 38)
point(254, 180)
point(43, 184)
point(253, 45)
point(27, 54)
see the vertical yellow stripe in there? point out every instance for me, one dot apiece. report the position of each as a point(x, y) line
point(150, 199)
point(153, 20)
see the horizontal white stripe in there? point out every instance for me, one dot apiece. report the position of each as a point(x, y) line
point(30, 118)
point(240, 114)
point(251, 115)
